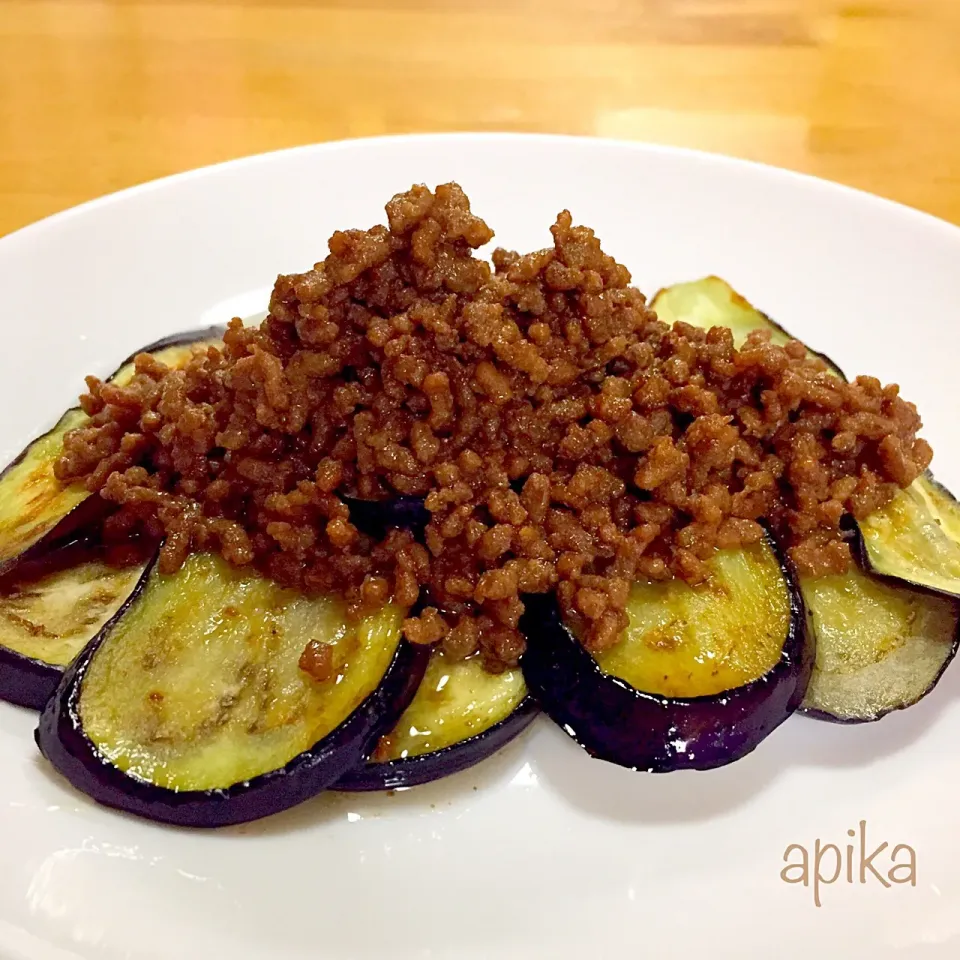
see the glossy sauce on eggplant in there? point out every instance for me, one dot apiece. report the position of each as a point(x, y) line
point(685, 641)
point(32, 500)
point(198, 685)
point(880, 646)
point(456, 699)
point(916, 537)
point(616, 721)
point(712, 302)
point(51, 617)
point(200, 689)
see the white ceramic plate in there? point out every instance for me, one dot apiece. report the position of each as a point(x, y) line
point(540, 852)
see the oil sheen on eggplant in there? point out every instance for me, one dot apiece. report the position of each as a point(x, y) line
point(460, 715)
point(694, 642)
point(881, 646)
point(915, 537)
point(50, 612)
point(36, 510)
point(191, 707)
point(702, 676)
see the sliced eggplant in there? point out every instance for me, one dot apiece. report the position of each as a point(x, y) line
point(701, 676)
point(57, 592)
point(460, 715)
point(175, 350)
point(37, 512)
point(915, 537)
point(712, 302)
point(191, 707)
point(34, 505)
point(49, 611)
point(881, 646)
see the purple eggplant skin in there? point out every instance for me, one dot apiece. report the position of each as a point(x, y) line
point(834, 368)
point(182, 338)
point(62, 741)
point(858, 547)
point(815, 714)
point(27, 682)
point(91, 512)
point(174, 340)
point(614, 721)
point(375, 517)
point(414, 771)
point(75, 526)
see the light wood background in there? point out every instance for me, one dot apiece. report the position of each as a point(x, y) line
point(100, 94)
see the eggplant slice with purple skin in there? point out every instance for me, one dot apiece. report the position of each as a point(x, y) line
point(881, 644)
point(461, 714)
point(37, 512)
point(50, 608)
point(915, 538)
point(57, 589)
point(190, 706)
point(701, 676)
point(712, 302)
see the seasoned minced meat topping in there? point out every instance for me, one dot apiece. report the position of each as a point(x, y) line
point(562, 436)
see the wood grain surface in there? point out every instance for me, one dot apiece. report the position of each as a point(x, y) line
point(96, 95)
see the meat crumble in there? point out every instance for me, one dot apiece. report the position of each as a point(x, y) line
point(563, 438)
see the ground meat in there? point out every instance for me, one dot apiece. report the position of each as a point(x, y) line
point(562, 436)
point(317, 660)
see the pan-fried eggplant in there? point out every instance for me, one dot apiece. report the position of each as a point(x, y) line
point(56, 593)
point(49, 610)
point(460, 715)
point(191, 705)
point(712, 302)
point(196, 704)
point(34, 506)
point(880, 646)
point(915, 537)
point(701, 677)
point(37, 512)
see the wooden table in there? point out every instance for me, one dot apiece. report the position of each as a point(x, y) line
point(100, 94)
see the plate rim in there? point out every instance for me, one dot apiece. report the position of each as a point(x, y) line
point(758, 168)
point(47, 935)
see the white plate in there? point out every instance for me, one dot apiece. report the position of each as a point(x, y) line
point(540, 852)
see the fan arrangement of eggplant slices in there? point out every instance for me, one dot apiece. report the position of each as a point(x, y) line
point(179, 697)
